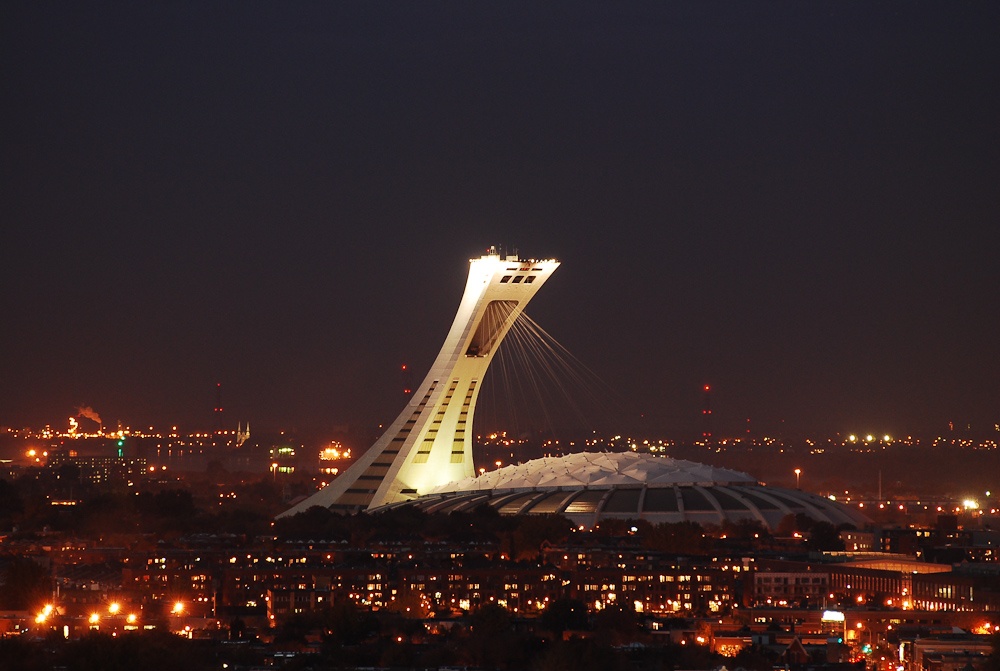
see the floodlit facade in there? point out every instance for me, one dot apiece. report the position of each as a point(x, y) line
point(430, 443)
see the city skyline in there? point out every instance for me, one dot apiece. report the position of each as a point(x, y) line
point(794, 205)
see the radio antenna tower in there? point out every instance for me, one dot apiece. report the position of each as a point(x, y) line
point(706, 415)
point(217, 415)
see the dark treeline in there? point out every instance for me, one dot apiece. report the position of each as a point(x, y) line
point(521, 537)
point(343, 636)
point(26, 511)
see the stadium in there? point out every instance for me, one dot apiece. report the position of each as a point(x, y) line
point(425, 457)
point(589, 487)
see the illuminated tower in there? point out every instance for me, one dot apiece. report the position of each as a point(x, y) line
point(430, 443)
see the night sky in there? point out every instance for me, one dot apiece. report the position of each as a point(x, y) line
point(795, 202)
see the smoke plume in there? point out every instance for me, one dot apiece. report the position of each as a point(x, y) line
point(88, 412)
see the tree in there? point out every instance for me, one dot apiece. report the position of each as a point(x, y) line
point(215, 472)
point(677, 537)
point(993, 661)
point(787, 526)
point(150, 651)
point(346, 624)
point(492, 640)
point(24, 655)
point(11, 504)
point(490, 620)
point(24, 584)
point(564, 614)
point(579, 655)
point(745, 530)
point(824, 537)
point(617, 625)
point(531, 531)
point(174, 504)
point(755, 659)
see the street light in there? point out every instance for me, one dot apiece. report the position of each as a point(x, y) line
point(798, 474)
point(44, 614)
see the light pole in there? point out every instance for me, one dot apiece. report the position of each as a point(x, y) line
point(798, 474)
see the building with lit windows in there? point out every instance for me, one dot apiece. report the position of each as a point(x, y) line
point(100, 469)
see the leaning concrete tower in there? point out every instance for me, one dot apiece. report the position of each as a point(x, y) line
point(430, 443)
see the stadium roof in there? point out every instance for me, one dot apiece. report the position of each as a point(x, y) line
point(597, 469)
point(588, 487)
